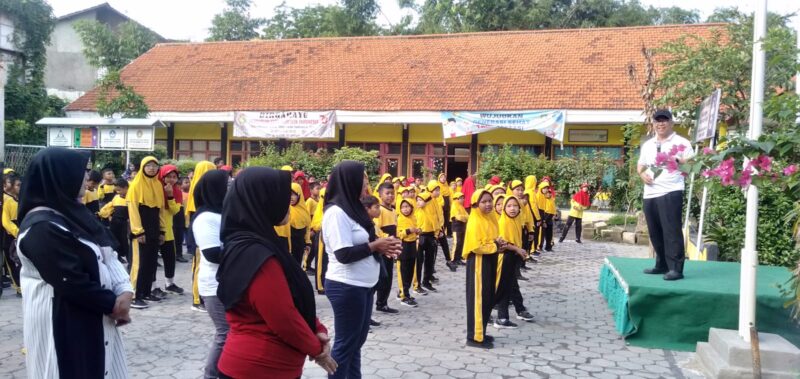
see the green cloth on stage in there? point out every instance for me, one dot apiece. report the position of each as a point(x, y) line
point(676, 315)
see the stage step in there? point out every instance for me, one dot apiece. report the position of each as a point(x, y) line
point(726, 355)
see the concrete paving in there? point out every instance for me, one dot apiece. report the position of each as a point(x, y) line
point(573, 335)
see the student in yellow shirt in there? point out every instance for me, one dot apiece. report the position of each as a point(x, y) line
point(579, 203)
point(145, 202)
point(107, 189)
point(11, 187)
point(385, 226)
point(510, 227)
point(311, 205)
point(322, 259)
point(117, 211)
point(526, 222)
point(408, 233)
point(548, 212)
point(299, 222)
point(428, 223)
point(481, 245)
point(169, 179)
point(458, 217)
point(91, 199)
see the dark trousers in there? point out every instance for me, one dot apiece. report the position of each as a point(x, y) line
point(120, 232)
point(458, 239)
point(537, 233)
point(216, 311)
point(179, 230)
point(546, 239)
point(352, 309)
point(427, 251)
point(578, 227)
point(312, 255)
point(298, 244)
point(11, 265)
point(144, 266)
point(167, 251)
point(322, 264)
point(663, 215)
point(405, 268)
point(384, 286)
point(446, 214)
point(445, 248)
point(508, 290)
point(481, 273)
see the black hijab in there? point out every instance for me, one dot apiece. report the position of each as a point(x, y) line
point(256, 202)
point(54, 179)
point(345, 189)
point(210, 190)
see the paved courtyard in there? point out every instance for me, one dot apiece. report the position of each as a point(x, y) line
point(573, 335)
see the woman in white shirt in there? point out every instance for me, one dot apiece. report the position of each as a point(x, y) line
point(75, 292)
point(208, 197)
point(354, 263)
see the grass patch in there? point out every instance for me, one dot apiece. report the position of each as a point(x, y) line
point(621, 219)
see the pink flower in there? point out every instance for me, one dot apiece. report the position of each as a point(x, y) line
point(672, 166)
point(790, 170)
point(662, 158)
point(764, 162)
point(706, 173)
point(745, 179)
point(709, 151)
point(676, 149)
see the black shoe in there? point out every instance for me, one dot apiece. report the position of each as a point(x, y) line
point(429, 287)
point(655, 270)
point(482, 345)
point(420, 291)
point(504, 324)
point(525, 316)
point(409, 302)
point(321, 292)
point(673, 275)
point(159, 293)
point(199, 307)
point(434, 279)
point(452, 265)
point(152, 298)
point(174, 289)
point(578, 241)
point(181, 259)
point(460, 262)
point(524, 268)
point(488, 338)
point(139, 304)
point(386, 309)
point(374, 323)
point(522, 278)
point(561, 240)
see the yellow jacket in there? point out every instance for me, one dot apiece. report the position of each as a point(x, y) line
point(167, 215)
point(10, 206)
point(576, 209)
point(387, 218)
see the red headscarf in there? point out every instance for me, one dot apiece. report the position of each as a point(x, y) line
point(303, 184)
point(468, 188)
point(582, 197)
point(177, 194)
point(495, 180)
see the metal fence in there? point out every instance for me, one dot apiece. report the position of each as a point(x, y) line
point(18, 156)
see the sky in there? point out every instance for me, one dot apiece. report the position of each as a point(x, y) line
point(190, 19)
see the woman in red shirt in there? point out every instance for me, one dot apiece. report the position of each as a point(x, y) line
point(268, 299)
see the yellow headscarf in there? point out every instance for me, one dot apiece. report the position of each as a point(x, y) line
point(498, 198)
point(316, 221)
point(459, 185)
point(511, 227)
point(443, 187)
point(482, 229)
point(530, 183)
point(512, 185)
point(406, 222)
point(287, 168)
point(456, 209)
point(200, 169)
point(299, 217)
point(541, 199)
point(145, 190)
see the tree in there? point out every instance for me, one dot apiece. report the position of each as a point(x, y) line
point(308, 22)
point(694, 66)
point(113, 49)
point(26, 97)
point(235, 23)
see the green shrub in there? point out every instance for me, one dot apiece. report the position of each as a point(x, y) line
point(726, 220)
point(621, 219)
point(318, 163)
point(184, 165)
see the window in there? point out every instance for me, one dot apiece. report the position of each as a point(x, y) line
point(199, 150)
point(241, 151)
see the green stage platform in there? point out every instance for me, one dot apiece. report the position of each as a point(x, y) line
point(654, 313)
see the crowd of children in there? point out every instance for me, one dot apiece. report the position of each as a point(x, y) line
point(494, 233)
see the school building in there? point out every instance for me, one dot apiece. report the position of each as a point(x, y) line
point(388, 92)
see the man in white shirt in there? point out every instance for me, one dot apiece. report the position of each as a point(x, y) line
point(663, 197)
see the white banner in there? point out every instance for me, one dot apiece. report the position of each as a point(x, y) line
point(112, 138)
point(140, 138)
point(707, 119)
point(58, 136)
point(290, 125)
point(549, 123)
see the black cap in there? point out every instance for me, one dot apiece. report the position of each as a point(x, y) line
point(662, 113)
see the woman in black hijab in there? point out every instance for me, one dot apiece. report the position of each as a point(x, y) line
point(267, 296)
point(354, 263)
point(75, 291)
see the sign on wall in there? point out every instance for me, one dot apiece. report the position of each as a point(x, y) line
point(59, 136)
point(588, 135)
point(86, 138)
point(290, 125)
point(112, 138)
point(548, 123)
point(140, 138)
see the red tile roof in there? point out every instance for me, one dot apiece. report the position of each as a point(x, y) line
point(546, 69)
